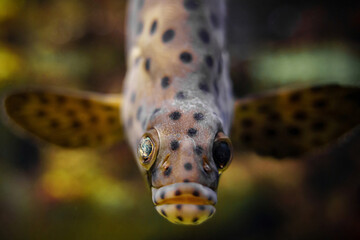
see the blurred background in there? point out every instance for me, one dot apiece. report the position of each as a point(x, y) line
point(52, 193)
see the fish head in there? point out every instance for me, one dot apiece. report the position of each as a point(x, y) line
point(184, 151)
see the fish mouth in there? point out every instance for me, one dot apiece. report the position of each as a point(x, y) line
point(185, 203)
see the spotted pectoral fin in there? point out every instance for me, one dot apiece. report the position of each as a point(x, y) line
point(293, 122)
point(67, 119)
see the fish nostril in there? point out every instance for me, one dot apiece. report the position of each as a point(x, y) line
point(206, 165)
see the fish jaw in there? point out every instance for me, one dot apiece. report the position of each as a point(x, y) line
point(185, 203)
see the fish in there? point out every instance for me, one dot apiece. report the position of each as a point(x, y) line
point(177, 111)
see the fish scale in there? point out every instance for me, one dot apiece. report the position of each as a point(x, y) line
point(177, 109)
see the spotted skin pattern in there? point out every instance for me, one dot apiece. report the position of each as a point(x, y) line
point(183, 60)
point(177, 109)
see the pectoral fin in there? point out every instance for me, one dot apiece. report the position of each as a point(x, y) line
point(67, 119)
point(293, 122)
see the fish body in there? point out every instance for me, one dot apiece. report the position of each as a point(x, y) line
point(177, 109)
point(178, 86)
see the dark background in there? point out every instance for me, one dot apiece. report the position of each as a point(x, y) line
point(52, 193)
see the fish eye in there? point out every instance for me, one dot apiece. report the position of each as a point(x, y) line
point(222, 153)
point(147, 150)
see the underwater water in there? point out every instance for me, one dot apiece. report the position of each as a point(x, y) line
point(52, 193)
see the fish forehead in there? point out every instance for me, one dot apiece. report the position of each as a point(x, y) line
point(176, 63)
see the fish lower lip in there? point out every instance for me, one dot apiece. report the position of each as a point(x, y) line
point(186, 200)
point(184, 193)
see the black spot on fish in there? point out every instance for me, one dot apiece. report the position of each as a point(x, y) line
point(196, 193)
point(204, 87)
point(270, 132)
point(54, 123)
point(191, 132)
point(177, 193)
point(138, 113)
point(186, 180)
point(247, 122)
point(319, 103)
point(165, 82)
point(111, 120)
point(318, 126)
point(175, 115)
point(167, 171)
point(174, 145)
point(293, 131)
point(99, 137)
point(147, 64)
point(209, 61)
point(139, 28)
point(60, 99)
point(246, 138)
point(195, 219)
point(244, 107)
point(199, 150)
point(94, 119)
point(188, 166)
point(180, 218)
point(295, 97)
point(168, 35)
point(214, 20)
point(201, 207)
point(198, 116)
point(191, 4)
point(162, 195)
point(163, 212)
point(153, 27)
point(210, 198)
point(180, 95)
point(41, 114)
point(178, 206)
point(300, 115)
point(204, 36)
point(107, 108)
point(76, 124)
point(185, 57)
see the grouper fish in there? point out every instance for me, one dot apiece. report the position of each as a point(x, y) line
point(177, 111)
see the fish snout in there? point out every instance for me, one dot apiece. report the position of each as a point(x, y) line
point(185, 203)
